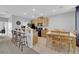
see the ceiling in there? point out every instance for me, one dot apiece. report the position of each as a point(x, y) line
point(33, 11)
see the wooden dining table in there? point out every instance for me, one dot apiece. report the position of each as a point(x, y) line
point(72, 39)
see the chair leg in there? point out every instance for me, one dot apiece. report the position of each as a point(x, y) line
point(19, 44)
point(27, 43)
point(15, 42)
point(21, 47)
point(12, 39)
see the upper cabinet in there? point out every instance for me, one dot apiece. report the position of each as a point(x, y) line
point(42, 20)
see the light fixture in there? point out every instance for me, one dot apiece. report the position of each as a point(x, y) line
point(41, 14)
point(24, 13)
point(54, 10)
point(33, 9)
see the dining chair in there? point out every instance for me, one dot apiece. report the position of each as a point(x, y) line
point(73, 41)
point(65, 41)
point(49, 41)
point(56, 42)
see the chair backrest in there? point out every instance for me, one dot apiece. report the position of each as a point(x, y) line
point(55, 35)
point(60, 35)
point(55, 32)
point(64, 37)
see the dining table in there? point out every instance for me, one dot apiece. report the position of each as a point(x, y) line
point(72, 39)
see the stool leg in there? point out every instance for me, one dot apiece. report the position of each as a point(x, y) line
point(19, 42)
point(21, 46)
point(27, 43)
point(15, 42)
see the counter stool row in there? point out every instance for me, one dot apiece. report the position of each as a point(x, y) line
point(19, 39)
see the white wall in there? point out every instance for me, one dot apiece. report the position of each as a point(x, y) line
point(10, 26)
point(65, 21)
point(23, 21)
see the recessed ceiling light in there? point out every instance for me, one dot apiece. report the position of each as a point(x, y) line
point(41, 14)
point(24, 13)
point(54, 10)
point(33, 9)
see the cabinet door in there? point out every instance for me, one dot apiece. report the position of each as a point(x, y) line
point(35, 38)
point(45, 21)
point(34, 22)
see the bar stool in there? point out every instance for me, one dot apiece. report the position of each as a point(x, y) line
point(13, 36)
point(23, 41)
point(18, 37)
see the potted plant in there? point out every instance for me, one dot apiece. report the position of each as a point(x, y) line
point(29, 25)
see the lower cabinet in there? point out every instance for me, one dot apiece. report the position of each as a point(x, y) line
point(43, 33)
point(35, 38)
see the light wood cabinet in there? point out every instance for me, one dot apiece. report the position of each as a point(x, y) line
point(42, 20)
point(44, 33)
point(35, 37)
point(46, 21)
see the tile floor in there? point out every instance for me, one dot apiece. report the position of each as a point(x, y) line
point(7, 47)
